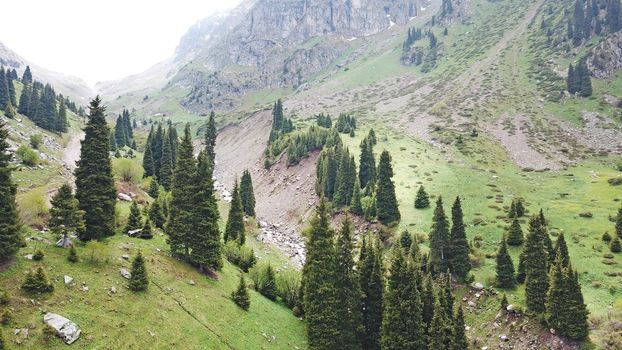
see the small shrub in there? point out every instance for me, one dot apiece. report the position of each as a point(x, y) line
point(606, 237)
point(35, 140)
point(38, 255)
point(288, 287)
point(48, 333)
point(73, 255)
point(4, 298)
point(586, 214)
point(96, 251)
point(240, 296)
point(615, 181)
point(241, 256)
point(28, 155)
point(127, 170)
point(6, 317)
point(32, 207)
point(615, 245)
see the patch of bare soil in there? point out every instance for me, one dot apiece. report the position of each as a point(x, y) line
point(285, 196)
point(512, 133)
point(599, 133)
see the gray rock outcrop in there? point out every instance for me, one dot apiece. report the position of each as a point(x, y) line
point(65, 328)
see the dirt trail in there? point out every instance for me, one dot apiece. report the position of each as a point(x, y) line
point(72, 151)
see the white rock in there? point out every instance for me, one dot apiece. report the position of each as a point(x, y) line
point(68, 280)
point(113, 290)
point(192, 282)
point(125, 273)
point(504, 337)
point(471, 304)
point(478, 286)
point(65, 329)
point(124, 197)
point(125, 257)
point(28, 256)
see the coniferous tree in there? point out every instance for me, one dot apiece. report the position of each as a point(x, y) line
point(536, 272)
point(372, 287)
point(206, 250)
point(181, 210)
point(402, 298)
point(438, 337)
point(61, 119)
point(4, 89)
point(27, 76)
point(9, 111)
point(113, 142)
point(65, 214)
point(165, 177)
point(154, 188)
point(134, 221)
point(585, 81)
point(148, 162)
point(146, 232)
point(247, 194)
point(119, 133)
point(157, 145)
point(520, 208)
point(73, 255)
point(37, 282)
point(268, 286)
point(356, 207)
point(460, 341)
point(428, 299)
point(11, 87)
point(345, 180)
point(320, 297)
point(210, 137)
point(579, 22)
point(24, 100)
point(561, 250)
point(515, 233)
point(615, 245)
point(505, 267)
point(618, 225)
point(139, 281)
point(94, 182)
point(367, 163)
point(348, 290)
point(386, 201)
point(458, 245)
point(174, 142)
point(9, 222)
point(234, 231)
point(576, 308)
point(556, 299)
point(422, 200)
point(240, 296)
point(573, 81)
point(156, 214)
point(439, 240)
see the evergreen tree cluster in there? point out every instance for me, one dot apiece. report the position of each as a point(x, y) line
point(346, 124)
point(192, 225)
point(449, 248)
point(123, 133)
point(412, 35)
point(578, 81)
point(324, 120)
point(280, 124)
point(314, 139)
point(160, 156)
point(8, 101)
point(349, 306)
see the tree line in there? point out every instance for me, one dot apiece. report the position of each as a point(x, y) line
point(160, 153)
point(123, 133)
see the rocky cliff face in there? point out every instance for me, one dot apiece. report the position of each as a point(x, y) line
point(606, 57)
point(271, 43)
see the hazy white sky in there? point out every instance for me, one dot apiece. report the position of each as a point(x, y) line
point(100, 40)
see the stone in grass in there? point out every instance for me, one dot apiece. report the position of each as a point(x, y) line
point(68, 280)
point(65, 328)
point(125, 273)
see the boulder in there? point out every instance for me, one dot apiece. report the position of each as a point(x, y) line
point(125, 273)
point(65, 329)
point(68, 280)
point(478, 286)
point(124, 197)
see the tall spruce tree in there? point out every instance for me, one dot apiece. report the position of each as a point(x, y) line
point(428, 299)
point(173, 138)
point(505, 267)
point(515, 233)
point(348, 289)
point(561, 250)
point(120, 133)
point(402, 298)
point(386, 202)
point(439, 240)
point(182, 211)
point(235, 231)
point(148, 162)
point(24, 100)
point(557, 297)
point(356, 206)
point(65, 214)
point(458, 245)
point(206, 250)
point(4, 89)
point(27, 76)
point(166, 164)
point(439, 337)
point(613, 15)
point(372, 287)
point(10, 239)
point(95, 188)
point(247, 194)
point(157, 146)
point(576, 308)
point(210, 137)
point(320, 297)
point(367, 163)
point(536, 272)
point(460, 341)
point(585, 82)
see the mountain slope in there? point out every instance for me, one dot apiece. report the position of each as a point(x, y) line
point(70, 86)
